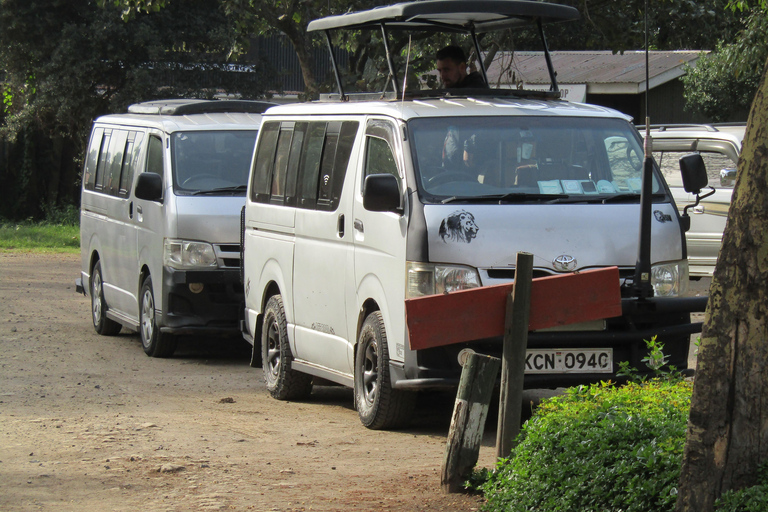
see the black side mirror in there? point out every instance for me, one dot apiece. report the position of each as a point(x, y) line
point(381, 193)
point(149, 186)
point(694, 173)
point(694, 179)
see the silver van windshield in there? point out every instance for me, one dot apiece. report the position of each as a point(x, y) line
point(517, 158)
point(212, 162)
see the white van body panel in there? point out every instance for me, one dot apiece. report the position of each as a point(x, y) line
point(591, 233)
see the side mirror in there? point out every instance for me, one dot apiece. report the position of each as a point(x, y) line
point(727, 177)
point(694, 173)
point(149, 186)
point(381, 193)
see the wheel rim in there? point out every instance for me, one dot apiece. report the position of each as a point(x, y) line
point(371, 372)
point(273, 350)
point(147, 318)
point(96, 298)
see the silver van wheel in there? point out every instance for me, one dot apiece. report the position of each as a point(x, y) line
point(378, 404)
point(283, 382)
point(101, 323)
point(154, 342)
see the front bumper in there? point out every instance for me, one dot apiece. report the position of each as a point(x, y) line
point(668, 319)
point(216, 310)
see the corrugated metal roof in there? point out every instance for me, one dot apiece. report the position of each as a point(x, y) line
point(601, 71)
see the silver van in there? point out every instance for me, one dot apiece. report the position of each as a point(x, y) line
point(162, 190)
point(357, 204)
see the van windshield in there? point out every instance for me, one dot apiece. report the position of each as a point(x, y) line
point(520, 159)
point(212, 162)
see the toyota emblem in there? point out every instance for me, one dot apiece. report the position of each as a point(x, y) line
point(564, 263)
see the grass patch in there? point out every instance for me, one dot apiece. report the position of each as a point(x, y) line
point(39, 237)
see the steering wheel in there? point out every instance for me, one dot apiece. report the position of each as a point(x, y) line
point(198, 177)
point(447, 177)
point(634, 159)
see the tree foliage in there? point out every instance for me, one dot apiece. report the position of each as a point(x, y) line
point(724, 82)
point(63, 63)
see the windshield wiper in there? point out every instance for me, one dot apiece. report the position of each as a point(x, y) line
point(629, 198)
point(512, 197)
point(222, 190)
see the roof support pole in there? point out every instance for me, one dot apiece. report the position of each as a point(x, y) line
point(479, 57)
point(390, 63)
point(335, 66)
point(548, 58)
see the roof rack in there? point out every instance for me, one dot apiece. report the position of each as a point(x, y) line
point(442, 93)
point(464, 16)
point(183, 107)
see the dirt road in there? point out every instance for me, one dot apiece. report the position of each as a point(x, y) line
point(90, 423)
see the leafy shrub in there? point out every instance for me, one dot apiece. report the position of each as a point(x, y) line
point(751, 499)
point(597, 447)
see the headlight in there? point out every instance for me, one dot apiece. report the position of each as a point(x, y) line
point(670, 279)
point(430, 279)
point(182, 254)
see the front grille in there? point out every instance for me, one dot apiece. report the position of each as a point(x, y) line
point(228, 255)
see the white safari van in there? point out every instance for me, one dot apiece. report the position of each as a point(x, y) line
point(163, 187)
point(355, 206)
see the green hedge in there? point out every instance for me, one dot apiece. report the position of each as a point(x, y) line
point(608, 449)
point(596, 448)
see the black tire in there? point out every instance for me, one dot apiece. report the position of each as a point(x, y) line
point(154, 342)
point(378, 405)
point(102, 324)
point(283, 383)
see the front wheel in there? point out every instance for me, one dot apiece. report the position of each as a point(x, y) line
point(378, 405)
point(102, 324)
point(155, 343)
point(283, 382)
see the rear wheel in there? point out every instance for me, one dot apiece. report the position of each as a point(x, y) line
point(283, 382)
point(155, 343)
point(101, 323)
point(378, 405)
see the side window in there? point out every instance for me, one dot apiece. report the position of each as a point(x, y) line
point(126, 173)
point(92, 159)
point(379, 158)
point(379, 153)
point(117, 156)
point(155, 155)
point(292, 174)
point(277, 193)
point(103, 161)
point(303, 164)
point(261, 183)
point(309, 168)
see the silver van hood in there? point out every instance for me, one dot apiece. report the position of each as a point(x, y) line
point(209, 219)
point(577, 235)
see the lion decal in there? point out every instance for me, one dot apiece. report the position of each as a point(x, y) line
point(459, 227)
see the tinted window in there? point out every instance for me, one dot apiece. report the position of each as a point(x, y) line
point(585, 159)
point(265, 158)
point(155, 155)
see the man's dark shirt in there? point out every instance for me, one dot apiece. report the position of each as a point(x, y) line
point(474, 80)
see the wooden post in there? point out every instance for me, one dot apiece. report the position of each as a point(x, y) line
point(478, 377)
point(513, 356)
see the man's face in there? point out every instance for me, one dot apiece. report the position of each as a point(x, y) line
point(451, 72)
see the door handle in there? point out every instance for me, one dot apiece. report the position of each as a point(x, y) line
point(130, 210)
point(340, 226)
point(359, 226)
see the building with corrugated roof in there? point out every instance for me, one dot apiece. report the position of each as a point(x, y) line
point(608, 79)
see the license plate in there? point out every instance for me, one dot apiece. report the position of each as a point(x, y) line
point(569, 361)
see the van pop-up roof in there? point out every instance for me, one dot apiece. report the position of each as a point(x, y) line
point(470, 17)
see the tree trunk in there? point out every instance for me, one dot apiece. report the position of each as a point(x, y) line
point(728, 426)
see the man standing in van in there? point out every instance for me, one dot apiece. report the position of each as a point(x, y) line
point(452, 66)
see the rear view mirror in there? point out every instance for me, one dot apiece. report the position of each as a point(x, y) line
point(381, 193)
point(727, 177)
point(149, 186)
point(694, 173)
